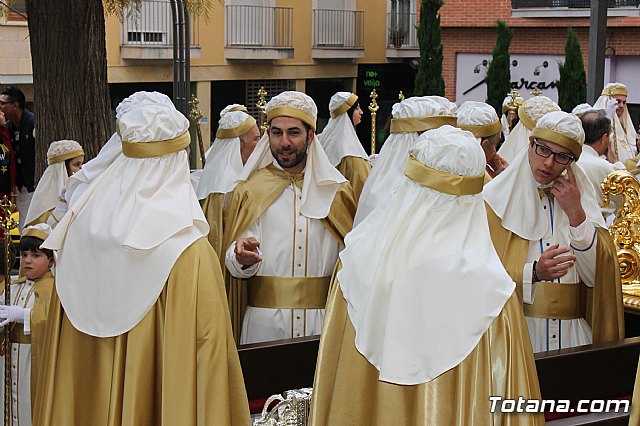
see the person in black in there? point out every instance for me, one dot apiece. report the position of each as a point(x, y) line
point(22, 130)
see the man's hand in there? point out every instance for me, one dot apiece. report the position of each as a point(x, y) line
point(496, 165)
point(566, 191)
point(551, 265)
point(246, 251)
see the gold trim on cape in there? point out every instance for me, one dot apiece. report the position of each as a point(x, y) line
point(288, 292)
point(421, 124)
point(155, 149)
point(66, 156)
point(238, 131)
point(249, 201)
point(345, 106)
point(443, 181)
point(558, 138)
point(482, 130)
point(287, 111)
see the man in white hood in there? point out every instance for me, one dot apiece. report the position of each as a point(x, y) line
point(236, 138)
point(624, 140)
point(549, 232)
point(285, 225)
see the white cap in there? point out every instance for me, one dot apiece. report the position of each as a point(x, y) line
point(293, 104)
point(561, 128)
point(63, 150)
point(478, 118)
point(233, 107)
point(341, 102)
point(581, 109)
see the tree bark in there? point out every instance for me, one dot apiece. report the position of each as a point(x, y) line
point(69, 60)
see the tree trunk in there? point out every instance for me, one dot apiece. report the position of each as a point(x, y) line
point(68, 56)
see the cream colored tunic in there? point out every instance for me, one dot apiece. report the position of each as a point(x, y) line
point(292, 245)
point(550, 334)
point(597, 169)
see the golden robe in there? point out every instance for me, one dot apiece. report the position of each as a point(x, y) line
point(213, 208)
point(346, 389)
point(177, 366)
point(603, 302)
point(356, 170)
point(251, 199)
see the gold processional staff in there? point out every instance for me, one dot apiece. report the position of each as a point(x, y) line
point(7, 224)
point(373, 108)
point(196, 115)
point(262, 104)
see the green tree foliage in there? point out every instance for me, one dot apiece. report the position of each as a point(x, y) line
point(572, 86)
point(499, 73)
point(429, 80)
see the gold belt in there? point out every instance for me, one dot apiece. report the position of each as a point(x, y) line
point(16, 335)
point(558, 301)
point(288, 292)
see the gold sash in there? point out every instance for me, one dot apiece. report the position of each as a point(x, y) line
point(288, 292)
point(557, 301)
point(16, 335)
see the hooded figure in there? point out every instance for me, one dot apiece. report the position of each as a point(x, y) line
point(341, 144)
point(139, 323)
point(415, 339)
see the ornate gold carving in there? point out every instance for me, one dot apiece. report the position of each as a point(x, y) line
point(373, 108)
point(511, 108)
point(262, 104)
point(625, 229)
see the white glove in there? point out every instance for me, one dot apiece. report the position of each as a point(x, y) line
point(11, 313)
point(610, 109)
point(372, 159)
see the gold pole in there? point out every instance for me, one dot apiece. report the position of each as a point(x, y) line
point(196, 115)
point(262, 104)
point(512, 107)
point(7, 224)
point(373, 107)
point(401, 96)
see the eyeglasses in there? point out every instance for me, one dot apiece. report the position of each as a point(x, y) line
point(545, 152)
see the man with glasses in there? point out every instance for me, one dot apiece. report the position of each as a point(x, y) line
point(549, 232)
point(22, 130)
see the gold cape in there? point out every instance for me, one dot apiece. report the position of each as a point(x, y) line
point(213, 208)
point(251, 199)
point(39, 313)
point(346, 389)
point(356, 170)
point(177, 366)
point(605, 313)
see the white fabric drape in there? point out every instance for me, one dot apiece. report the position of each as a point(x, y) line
point(114, 255)
point(420, 275)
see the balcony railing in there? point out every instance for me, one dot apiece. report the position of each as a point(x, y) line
point(527, 4)
point(338, 29)
point(259, 27)
point(152, 26)
point(402, 30)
